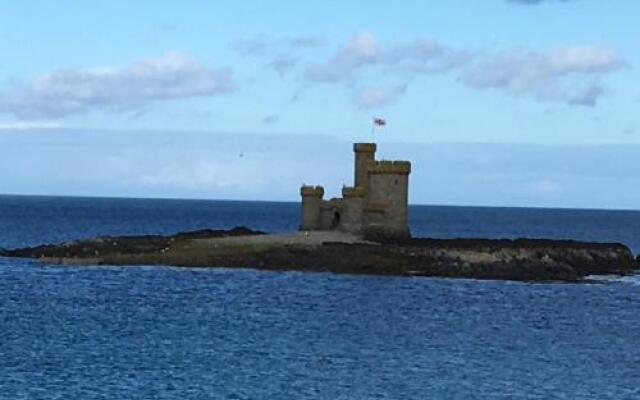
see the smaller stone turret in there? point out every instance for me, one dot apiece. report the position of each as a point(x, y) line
point(311, 202)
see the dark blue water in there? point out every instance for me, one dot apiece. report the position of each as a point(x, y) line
point(168, 333)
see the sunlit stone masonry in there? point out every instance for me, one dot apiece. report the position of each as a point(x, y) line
point(376, 205)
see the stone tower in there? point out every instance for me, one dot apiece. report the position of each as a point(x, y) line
point(376, 205)
point(365, 153)
point(311, 203)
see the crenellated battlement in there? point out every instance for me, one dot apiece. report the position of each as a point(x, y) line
point(353, 191)
point(312, 191)
point(364, 147)
point(330, 204)
point(389, 167)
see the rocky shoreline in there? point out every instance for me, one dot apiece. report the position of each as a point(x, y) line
point(521, 260)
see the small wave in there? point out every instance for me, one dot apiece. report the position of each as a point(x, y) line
point(629, 279)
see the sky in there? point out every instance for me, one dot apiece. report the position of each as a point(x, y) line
point(246, 100)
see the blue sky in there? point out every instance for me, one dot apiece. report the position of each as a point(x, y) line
point(98, 81)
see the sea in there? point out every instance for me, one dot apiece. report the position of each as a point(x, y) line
point(160, 332)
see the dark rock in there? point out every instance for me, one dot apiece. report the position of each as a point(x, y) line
point(521, 259)
point(211, 233)
point(122, 244)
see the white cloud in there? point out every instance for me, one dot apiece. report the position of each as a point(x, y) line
point(77, 91)
point(363, 53)
point(570, 74)
point(305, 41)
point(376, 97)
point(588, 96)
point(265, 45)
point(421, 56)
point(251, 47)
point(573, 75)
point(584, 59)
point(26, 125)
point(198, 175)
point(557, 75)
point(270, 119)
point(361, 50)
point(426, 56)
point(283, 64)
point(280, 54)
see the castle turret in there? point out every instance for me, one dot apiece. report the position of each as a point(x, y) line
point(311, 202)
point(388, 193)
point(365, 153)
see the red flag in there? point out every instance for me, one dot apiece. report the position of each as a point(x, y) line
point(379, 122)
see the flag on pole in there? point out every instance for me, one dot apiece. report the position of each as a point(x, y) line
point(379, 121)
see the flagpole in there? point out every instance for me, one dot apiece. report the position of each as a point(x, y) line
point(373, 129)
point(376, 122)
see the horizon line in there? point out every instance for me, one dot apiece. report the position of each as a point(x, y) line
point(68, 196)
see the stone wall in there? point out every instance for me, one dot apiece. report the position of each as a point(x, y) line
point(331, 214)
point(352, 210)
point(387, 192)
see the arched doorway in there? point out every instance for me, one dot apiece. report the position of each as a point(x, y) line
point(335, 220)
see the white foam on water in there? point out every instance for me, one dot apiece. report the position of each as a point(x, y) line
point(631, 279)
point(628, 279)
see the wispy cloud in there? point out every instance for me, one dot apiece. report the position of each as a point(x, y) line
point(373, 74)
point(360, 51)
point(630, 129)
point(587, 96)
point(266, 45)
point(27, 125)
point(401, 62)
point(280, 54)
point(305, 41)
point(251, 47)
point(558, 75)
point(270, 119)
point(376, 74)
point(573, 75)
point(283, 64)
point(375, 97)
point(68, 92)
point(421, 56)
